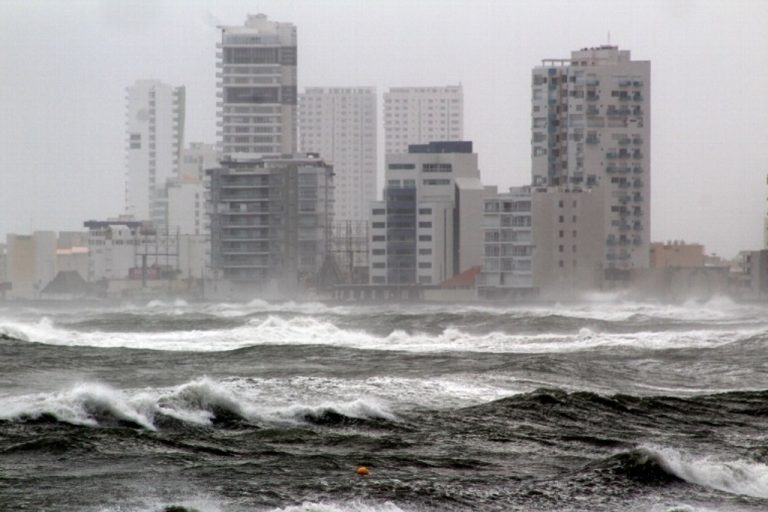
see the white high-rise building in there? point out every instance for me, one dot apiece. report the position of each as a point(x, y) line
point(591, 168)
point(339, 123)
point(419, 115)
point(256, 79)
point(155, 136)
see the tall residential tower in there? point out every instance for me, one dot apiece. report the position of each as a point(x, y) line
point(155, 136)
point(591, 168)
point(420, 115)
point(339, 123)
point(256, 78)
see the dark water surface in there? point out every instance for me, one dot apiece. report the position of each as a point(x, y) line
point(248, 407)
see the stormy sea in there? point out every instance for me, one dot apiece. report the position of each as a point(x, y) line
point(174, 406)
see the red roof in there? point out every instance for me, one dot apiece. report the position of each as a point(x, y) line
point(465, 279)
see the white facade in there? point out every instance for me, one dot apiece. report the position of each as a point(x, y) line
point(339, 123)
point(418, 115)
point(121, 250)
point(591, 131)
point(155, 134)
point(415, 238)
point(507, 243)
point(196, 158)
point(186, 207)
point(256, 79)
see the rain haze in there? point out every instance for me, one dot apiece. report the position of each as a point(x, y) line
point(66, 65)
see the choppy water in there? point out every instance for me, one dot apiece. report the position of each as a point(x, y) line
point(605, 405)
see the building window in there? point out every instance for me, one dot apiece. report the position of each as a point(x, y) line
point(379, 211)
point(379, 238)
point(425, 238)
point(425, 264)
point(561, 219)
point(401, 167)
point(425, 211)
point(425, 252)
point(379, 252)
point(379, 225)
point(425, 224)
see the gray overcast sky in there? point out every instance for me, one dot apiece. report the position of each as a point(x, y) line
point(64, 67)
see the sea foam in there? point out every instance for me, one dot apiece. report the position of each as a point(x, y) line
point(732, 476)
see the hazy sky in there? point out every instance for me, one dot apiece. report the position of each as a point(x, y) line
point(64, 67)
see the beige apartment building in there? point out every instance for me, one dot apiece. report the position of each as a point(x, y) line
point(677, 254)
point(591, 169)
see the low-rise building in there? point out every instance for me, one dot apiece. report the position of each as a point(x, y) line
point(677, 254)
point(30, 263)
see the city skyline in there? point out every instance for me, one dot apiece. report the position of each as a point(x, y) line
point(709, 164)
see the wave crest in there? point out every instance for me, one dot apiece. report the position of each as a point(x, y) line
point(202, 402)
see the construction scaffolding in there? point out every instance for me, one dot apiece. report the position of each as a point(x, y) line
point(349, 250)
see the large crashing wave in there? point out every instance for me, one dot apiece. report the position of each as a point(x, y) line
point(201, 402)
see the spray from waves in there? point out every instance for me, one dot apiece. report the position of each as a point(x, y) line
point(304, 330)
point(202, 402)
point(732, 476)
point(83, 404)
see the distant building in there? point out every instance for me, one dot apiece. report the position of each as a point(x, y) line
point(30, 263)
point(185, 194)
point(256, 79)
point(418, 115)
point(196, 158)
point(130, 256)
point(339, 123)
point(426, 229)
point(754, 267)
point(507, 269)
point(591, 147)
point(155, 136)
point(677, 254)
point(570, 240)
point(270, 222)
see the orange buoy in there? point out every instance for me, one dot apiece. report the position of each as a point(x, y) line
point(362, 471)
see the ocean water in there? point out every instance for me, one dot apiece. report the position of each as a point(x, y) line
point(598, 406)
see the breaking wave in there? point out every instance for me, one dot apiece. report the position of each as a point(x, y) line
point(201, 402)
point(304, 330)
point(655, 465)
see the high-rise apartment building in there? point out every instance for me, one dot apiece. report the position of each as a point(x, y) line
point(419, 115)
point(339, 123)
point(155, 136)
point(256, 78)
point(591, 167)
point(270, 221)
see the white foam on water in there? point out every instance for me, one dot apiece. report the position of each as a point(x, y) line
point(304, 330)
point(732, 476)
point(78, 405)
point(349, 506)
point(282, 400)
